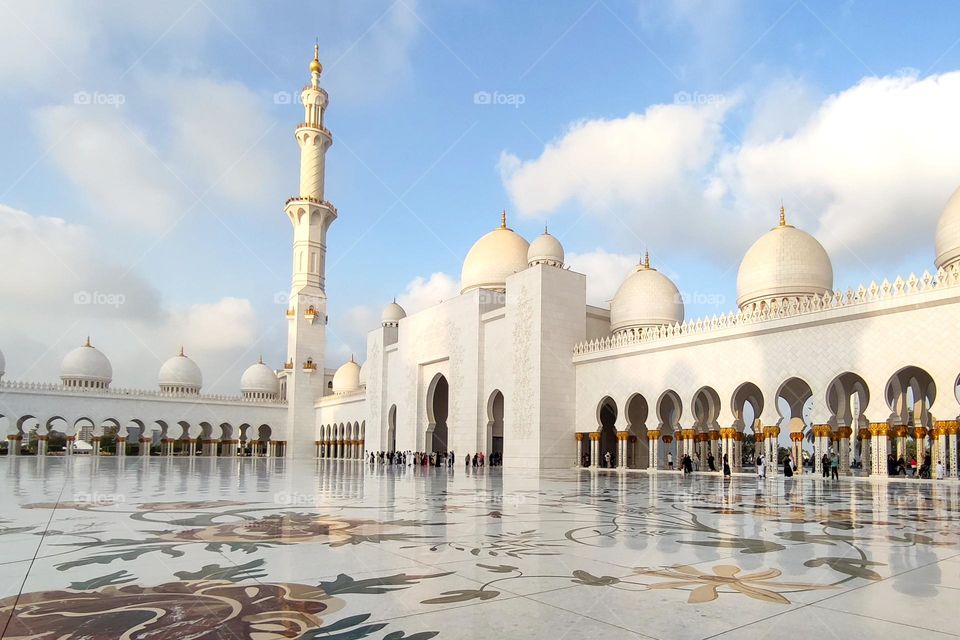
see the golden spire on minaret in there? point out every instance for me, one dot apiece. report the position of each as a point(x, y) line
point(503, 219)
point(315, 66)
point(646, 259)
point(783, 215)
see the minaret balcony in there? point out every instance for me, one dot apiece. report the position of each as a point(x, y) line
point(291, 313)
point(310, 200)
point(288, 365)
point(315, 127)
point(310, 365)
point(311, 314)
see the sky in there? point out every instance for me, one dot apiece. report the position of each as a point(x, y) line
point(146, 151)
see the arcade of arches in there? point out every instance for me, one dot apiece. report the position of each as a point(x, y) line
point(902, 424)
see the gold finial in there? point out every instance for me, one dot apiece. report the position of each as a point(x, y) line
point(315, 66)
point(545, 231)
point(181, 352)
point(783, 215)
point(87, 343)
point(503, 219)
point(646, 259)
point(260, 359)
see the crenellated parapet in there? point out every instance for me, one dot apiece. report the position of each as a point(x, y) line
point(779, 309)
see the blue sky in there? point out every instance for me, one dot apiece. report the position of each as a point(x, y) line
point(670, 126)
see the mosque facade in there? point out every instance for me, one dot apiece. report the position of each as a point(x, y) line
point(519, 364)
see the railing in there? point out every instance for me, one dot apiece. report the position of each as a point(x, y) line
point(779, 309)
point(14, 385)
point(312, 200)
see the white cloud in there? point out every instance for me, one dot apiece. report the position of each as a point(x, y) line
point(868, 170)
point(59, 288)
point(114, 166)
point(605, 273)
point(643, 159)
point(421, 293)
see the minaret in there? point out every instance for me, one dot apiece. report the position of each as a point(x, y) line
point(311, 216)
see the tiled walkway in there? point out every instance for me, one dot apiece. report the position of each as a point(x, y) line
point(180, 548)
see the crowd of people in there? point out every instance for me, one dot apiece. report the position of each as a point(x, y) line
point(899, 467)
point(424, 459)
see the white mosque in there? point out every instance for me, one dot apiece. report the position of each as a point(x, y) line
point(519, 364)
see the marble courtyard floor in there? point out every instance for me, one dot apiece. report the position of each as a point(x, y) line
point(111, 548)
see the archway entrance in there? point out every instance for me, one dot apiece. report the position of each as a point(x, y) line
point(608, 433)
point(438, 403)
point(495, 427)
point(392, 429)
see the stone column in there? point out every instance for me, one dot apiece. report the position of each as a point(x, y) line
point(667, 447)
point(771, 438)
point(843, 434)
point(192, 443)
point(821, 442)
point(866, 454)
point(714, 435)
point(41, 445)
point(953, 427)
point(623, 438)
point(901, 432)
point(13, 445)
point(728, 436)
point(938, 447)
point(579, 437)
point(796, 450)
point(121, 446)
point(95, 442)
point(879, 443)
point(653, 449)
point(69, 446)
point(594, 450)
point(210, 448)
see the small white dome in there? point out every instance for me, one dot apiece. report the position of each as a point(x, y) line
point(948, 233)
point(347, 377)
point(86, 366)
point(180, 374)
point(392, 314)
point(784, 262)
point(545, 249)
point(259, 380)
point(647, 298)
point(498, 254)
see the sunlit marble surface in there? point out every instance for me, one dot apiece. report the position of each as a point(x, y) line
point(199, 548)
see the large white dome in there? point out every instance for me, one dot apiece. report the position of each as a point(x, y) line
point(180, 374)
point(347, 377)
point(498, 254)
point(86, 367)
point(646, 298)
point(392, 315)
point(784, 262)
point(259, 381)
point(545, 249)
point(948, 233)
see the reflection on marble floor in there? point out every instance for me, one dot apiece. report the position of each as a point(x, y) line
point(273, 548)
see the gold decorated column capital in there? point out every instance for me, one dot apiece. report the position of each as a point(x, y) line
point(879, 429)
point(728, 433)
point(668, 439)
point(578, 436)
point(594, 436)
point(653, 434)
point(901, 431)
point(822, 430)
point(771, 432)
point(949, 427)
point(796, 437)
point(844, 432)
point(864, 433)
point(713, 435)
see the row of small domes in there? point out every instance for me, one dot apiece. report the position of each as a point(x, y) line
point(785, 262)
point(87, 367)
